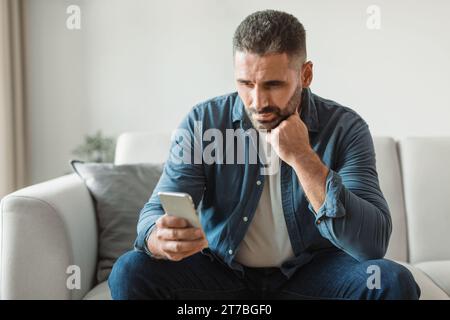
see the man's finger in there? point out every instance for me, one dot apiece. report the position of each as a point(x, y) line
point(180, 233)
point(183, 246)
point(167, 221)
point(181, 256)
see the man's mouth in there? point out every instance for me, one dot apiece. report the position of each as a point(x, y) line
point(265, 117)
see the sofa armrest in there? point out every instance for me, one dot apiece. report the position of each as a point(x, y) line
point(45, 228)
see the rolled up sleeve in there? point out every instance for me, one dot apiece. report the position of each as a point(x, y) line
point(355, 216)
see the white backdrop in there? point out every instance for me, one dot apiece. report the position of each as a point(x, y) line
point(140, 65)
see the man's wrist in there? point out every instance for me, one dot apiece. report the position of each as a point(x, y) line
point(306, 161)
point(150, 251)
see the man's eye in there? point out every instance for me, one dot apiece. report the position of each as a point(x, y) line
point(273, 85)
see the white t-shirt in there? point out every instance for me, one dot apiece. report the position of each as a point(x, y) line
point(267, 243)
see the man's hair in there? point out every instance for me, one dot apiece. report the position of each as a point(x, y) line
point(270, 31)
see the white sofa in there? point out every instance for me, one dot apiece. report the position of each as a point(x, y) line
point(49, 226)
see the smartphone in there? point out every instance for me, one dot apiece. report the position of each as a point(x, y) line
point(180, 204)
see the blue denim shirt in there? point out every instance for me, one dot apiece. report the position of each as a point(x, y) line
point(354, 217)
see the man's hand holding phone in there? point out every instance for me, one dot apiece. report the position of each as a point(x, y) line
point(173, 238)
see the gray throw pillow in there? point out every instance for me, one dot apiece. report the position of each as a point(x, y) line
point(119, 193)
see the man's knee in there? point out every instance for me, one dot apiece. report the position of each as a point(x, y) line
point(127, 275)
point(390, 280)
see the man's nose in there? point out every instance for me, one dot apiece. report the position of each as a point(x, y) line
point(259, 99)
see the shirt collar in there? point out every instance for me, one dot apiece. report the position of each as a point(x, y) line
point(308, 112)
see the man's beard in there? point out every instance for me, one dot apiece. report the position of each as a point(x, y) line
point(280, 114)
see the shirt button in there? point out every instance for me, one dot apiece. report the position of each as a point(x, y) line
point(245, 219)
point(319, 221)
point(258, 182)
point(230, 251)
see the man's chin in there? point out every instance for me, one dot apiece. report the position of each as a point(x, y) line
point(266, 126)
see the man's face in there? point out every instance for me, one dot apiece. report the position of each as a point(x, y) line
point(270, 86)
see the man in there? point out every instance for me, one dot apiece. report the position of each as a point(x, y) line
point(318, 227)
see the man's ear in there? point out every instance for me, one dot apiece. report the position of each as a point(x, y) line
point(307, 74)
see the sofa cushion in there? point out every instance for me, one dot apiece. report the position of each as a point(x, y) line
point(429, 290)
point(119, 193)
point(439, 272)
point(99, 292)
point(142, 147)
point(425, 179)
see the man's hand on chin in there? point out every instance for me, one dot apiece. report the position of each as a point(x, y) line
point(290, 140)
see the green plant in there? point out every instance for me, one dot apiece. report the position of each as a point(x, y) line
point(96, 148)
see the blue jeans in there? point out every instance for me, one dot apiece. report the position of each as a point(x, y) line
point(330, 275)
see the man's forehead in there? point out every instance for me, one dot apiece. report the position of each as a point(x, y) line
point(273, 66)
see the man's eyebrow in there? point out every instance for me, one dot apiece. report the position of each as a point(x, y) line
point(267, 82)
point(274, 82)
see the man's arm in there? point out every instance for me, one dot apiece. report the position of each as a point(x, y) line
point(312, 174)
point(180, 174)
point(349, 206)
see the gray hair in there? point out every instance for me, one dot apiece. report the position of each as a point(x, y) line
point(270, 31)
